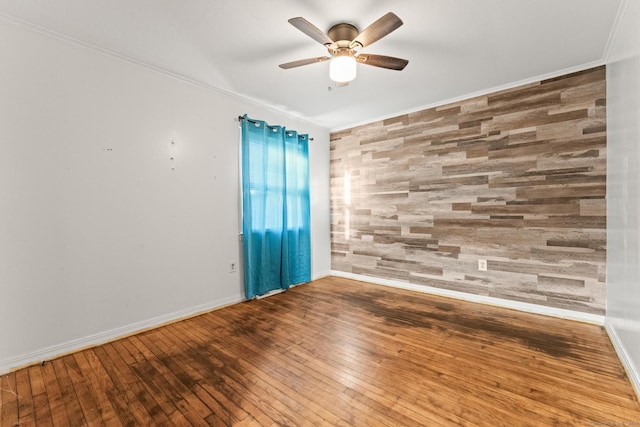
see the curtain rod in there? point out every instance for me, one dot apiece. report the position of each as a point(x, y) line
point(254, 121)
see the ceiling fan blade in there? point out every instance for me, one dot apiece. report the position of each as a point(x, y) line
point(377, 30)
point(382, 61)
point(301, 62)
point(311, 30)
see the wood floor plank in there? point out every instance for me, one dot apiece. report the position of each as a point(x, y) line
point(69, 397)
point(188, 406)
point(42, 414)
point(8, 388)
point(283, 371)
point(128, 407)
point(219, 406)
point(91, 409)
point(228, 394)
point(156, 388)
point(120, 375)
point(25, 397)
point(246, 372)
point(90, 384)
point(56, 403)
point(341, 353)
point(308, 362)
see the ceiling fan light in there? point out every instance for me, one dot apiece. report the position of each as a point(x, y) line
point(342, 69)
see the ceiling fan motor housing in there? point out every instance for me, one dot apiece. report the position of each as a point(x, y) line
point(343, 31)
point(342, 35)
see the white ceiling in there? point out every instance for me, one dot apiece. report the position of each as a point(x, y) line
point(454, 47)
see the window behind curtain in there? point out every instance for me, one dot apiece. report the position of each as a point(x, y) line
point(276, 216)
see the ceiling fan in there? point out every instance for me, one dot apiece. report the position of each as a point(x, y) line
point(344, 41)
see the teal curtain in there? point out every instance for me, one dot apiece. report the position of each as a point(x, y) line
point(276, 224)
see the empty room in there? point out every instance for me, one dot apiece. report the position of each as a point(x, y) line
point(366, 213)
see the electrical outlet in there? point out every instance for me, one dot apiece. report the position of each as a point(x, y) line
point(233, 266)
point(482, 264)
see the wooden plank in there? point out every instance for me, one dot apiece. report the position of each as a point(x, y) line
point(284, 370)
point(42, 414)
point(96, 388)
point(175, 399)
point(57, 408)
point(125, 361)
point(487, 171)
point(200, 367)
point(114, 393)
point(245, 372)
point(69, 397)
point(25, 397)
point(9, 415)
point(140, 405)
point(90, 409)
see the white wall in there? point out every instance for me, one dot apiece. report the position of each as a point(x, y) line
point(623, 189)
point(98, 236)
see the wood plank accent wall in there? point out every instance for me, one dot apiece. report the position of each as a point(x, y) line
point(516, 177)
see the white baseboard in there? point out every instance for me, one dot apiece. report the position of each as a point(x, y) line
point(623, 355)
point(321, 275)
point(58, 350)
point(499, 302)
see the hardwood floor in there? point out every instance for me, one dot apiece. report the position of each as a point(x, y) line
point(336, 352)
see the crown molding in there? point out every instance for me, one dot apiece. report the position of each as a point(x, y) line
point(615, 30)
